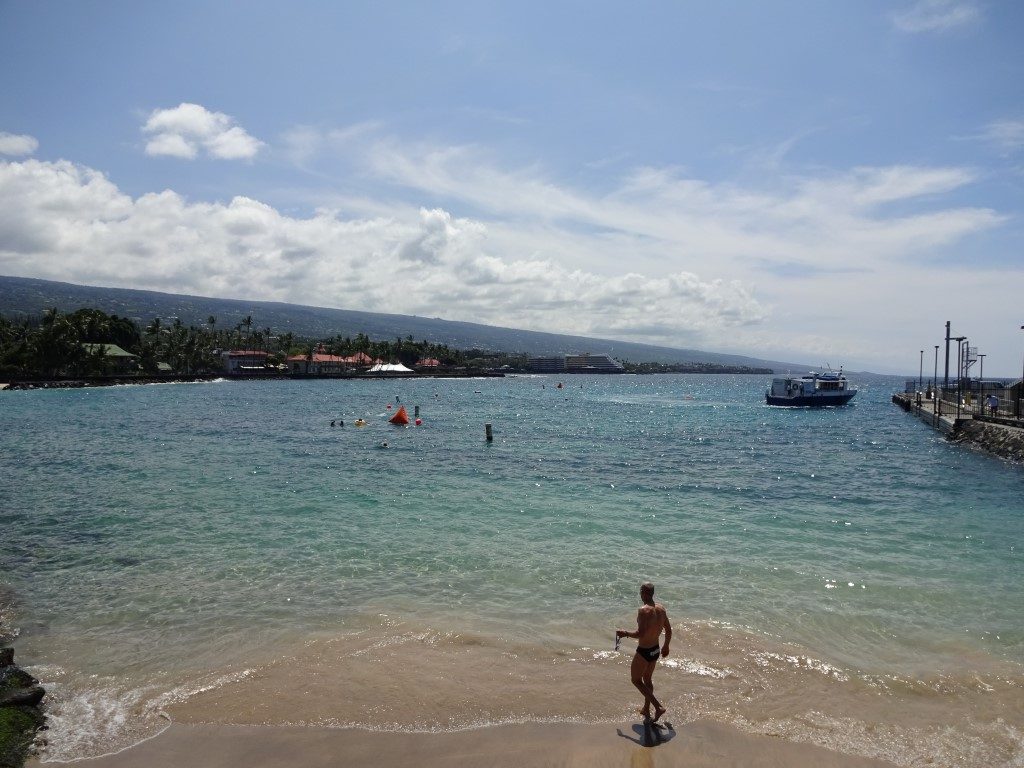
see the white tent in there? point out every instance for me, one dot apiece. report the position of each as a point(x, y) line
point(390, 368)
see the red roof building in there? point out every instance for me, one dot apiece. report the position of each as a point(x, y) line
point(239, 361)
point(317, 363)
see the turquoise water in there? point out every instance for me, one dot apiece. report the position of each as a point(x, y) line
point(173, 531)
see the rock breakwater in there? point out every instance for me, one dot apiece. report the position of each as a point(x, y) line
point(997, 439)
point(21, 714)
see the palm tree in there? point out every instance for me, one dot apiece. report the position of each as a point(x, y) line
point(248, 328)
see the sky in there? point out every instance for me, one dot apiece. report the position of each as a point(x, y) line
point(826, 182)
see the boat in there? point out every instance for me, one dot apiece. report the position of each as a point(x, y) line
point(812, 389)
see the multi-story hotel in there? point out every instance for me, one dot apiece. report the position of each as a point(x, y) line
point(585, 363)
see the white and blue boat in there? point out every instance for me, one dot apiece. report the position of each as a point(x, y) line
point(812, 389)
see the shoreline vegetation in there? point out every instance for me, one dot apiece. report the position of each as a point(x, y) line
point(88, 347)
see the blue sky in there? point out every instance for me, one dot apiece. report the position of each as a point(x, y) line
point(827, 182)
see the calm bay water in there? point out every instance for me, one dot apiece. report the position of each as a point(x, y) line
point(159, 540)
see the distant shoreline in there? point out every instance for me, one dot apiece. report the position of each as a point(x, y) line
point(113, 381)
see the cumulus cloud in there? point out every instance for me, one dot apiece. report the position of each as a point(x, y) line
point(64, 221)
point(937, 15)
point(661, 257)
point(17, 145)
point(187, 129)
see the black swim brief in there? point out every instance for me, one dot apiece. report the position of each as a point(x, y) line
point(650, 653)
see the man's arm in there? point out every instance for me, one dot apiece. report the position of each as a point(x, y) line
point(639, 627)
point(668, 635)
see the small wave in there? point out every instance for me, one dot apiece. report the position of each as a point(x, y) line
point(767, 659)
point(995, 744)
point(108, 718)
point(694, 667)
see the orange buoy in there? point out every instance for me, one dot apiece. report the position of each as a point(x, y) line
point(401, 416)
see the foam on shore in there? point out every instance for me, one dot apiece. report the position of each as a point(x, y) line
point(403, 677)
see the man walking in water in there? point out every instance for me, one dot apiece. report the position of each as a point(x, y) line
point(651, 619)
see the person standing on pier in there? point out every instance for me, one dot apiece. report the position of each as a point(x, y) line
point(651, 619)
point(993, 404)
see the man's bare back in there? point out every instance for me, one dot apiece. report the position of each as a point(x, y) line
point(650, 621)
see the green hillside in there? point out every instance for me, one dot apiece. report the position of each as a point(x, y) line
point(28, 297)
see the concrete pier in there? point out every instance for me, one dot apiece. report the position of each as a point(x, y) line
point(997, 435)
point(941, 415)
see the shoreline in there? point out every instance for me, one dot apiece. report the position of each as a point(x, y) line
point(116, 381)
point(694, 745)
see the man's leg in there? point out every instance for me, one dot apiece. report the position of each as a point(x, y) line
point(649, 683)
point(636, 673)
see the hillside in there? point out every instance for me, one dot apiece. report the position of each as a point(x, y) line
point(27, 297)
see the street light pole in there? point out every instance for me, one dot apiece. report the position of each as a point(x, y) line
point(1020, 391)
point(959, 368)
point(920, 373)
point(936, 407)
point(945, 378)
point(981, 384)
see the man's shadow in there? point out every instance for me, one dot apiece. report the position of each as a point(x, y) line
point(650, 734)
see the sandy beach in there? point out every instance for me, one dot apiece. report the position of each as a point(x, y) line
point(694, 745)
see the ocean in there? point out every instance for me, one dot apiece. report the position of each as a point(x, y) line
point(218, 552)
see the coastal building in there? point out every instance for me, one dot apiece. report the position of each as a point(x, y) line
point(428, 362)
point(245, 361)
point(360, 359)
point(115, 359)
point(555, 364)
point(317, 364)
point(585, 363)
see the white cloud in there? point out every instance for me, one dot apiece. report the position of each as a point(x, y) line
point(659, 216)
point(17, 145)
point(62, 221)
point(187, 128)
point(1007, 135)
point(808, 264)
point(937, 15)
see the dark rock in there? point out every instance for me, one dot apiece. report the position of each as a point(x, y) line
point(31, 696)
point(20, 714)
point(22, 697)
point(18, 726)
point(14, 677)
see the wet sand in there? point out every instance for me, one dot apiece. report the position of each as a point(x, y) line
point(629, 745)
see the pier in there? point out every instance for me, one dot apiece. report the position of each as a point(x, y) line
point(1001, 433)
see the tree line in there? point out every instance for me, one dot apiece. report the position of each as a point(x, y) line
point(78, 344)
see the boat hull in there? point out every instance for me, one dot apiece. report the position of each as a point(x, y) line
point(818, 401)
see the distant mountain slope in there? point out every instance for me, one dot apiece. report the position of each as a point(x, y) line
point(21, 297)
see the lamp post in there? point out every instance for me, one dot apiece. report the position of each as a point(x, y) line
point(920, 373)
point(1020, 391)
point(945, 377)
point(959, 372)
point(981, 384)
point(959, 345)
point(935, 384)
